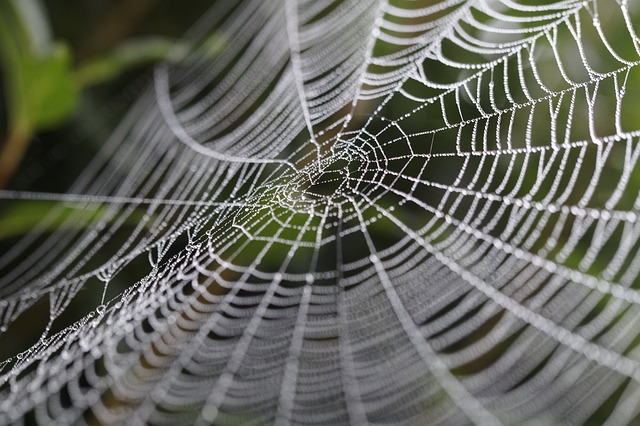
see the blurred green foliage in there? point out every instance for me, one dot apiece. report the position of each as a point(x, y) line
point(37, 75)
point(69, 69)
point(37, 69)
point(65, 66)
point(51, 52)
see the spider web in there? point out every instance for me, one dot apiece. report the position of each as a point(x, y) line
point(349, 211)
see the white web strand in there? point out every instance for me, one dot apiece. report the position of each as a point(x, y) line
point(348, 212)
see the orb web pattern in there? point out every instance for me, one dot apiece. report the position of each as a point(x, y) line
point(349, 212)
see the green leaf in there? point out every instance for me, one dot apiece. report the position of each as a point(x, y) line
point(37, 70)
point(39, 87)
point(50, 92)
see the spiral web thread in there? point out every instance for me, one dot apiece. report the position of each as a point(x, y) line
point(350, 211)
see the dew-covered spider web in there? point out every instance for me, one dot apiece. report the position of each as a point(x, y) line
point(349, 212)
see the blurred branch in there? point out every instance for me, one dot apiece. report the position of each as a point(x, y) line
point(42, 89)
point(125, 57)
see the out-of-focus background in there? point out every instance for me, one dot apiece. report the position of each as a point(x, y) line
point(69, 69)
